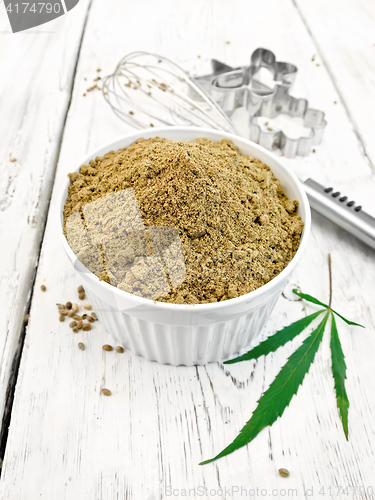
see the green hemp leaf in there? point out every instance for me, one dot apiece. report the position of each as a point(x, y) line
point(281, 391)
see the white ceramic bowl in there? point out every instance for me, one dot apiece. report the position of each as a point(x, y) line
point(181, 334)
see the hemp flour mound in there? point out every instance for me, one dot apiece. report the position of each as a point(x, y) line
point(237, 227)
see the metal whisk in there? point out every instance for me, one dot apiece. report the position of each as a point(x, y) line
point(150, 90)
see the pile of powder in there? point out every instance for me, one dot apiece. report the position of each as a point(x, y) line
point(237, 227)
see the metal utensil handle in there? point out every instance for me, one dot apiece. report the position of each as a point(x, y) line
point(341, 210)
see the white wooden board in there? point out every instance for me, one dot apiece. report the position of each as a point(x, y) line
point(68, 441)
point(37, 69)
point(344, 35)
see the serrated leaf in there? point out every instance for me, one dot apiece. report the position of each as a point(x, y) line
point(309, 298)
point(278, 396)
point(280, 338)
point(346, 320)
point(339, 375)
point(312, 299)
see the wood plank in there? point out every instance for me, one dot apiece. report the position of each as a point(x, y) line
point(344, 36)
point(35, 90)
point(66, 440)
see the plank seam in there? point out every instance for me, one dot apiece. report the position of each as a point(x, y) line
point(320, 51)
point(12, 382)
point(13, 377)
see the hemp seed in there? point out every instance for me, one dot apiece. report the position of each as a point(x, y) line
point(81, 296)
point(107, 347)
point(284, 472)
point(94, 316)
point(80, 324)
point(75, 329)
point(118, 348)
point(86, 327)
point(80, 289)
point(43, 288)
point(88, 307)
point(106, 392)
point(62, 318)
point(64, 312)
point(73, 323)
point(68, 305)
point(81, 346)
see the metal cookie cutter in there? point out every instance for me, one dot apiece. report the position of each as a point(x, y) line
point(273, 139)
point(241, 87)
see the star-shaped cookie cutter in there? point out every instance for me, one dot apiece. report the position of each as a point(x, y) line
point(233, 88)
